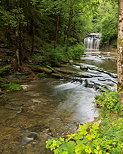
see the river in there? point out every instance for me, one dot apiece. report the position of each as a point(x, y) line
point(54, 107)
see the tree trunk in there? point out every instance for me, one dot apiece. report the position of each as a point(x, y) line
point(19, 48)
point(120, 44)
point(19, 43)
point(120, 49)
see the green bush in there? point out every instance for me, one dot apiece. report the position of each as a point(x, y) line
point(75, 52)
point(109, 100)
point(55, 55)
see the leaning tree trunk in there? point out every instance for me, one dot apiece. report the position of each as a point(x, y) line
point(19, 43)
point(120, 48)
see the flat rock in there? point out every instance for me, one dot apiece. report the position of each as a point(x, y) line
point(42, 69)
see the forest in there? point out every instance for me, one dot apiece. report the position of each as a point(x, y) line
point(54, 31)
point(55, 95)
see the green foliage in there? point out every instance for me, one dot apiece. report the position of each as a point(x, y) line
point(13, 18)
point(58, 54)
point(4, 69)
point(105, 21)
point(76, 51)
point(56, 28)
point(42, 75)
point(88, 139)
point(91, 139)
point(75, 143)
point(111, 130)
point(109, 100)
point(12, 86)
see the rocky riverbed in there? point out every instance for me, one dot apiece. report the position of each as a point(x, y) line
point(54, 107)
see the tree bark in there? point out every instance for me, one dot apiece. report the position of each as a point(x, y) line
point(19, 43)
point(120, 50)
point(120, 44)
point(19, 48)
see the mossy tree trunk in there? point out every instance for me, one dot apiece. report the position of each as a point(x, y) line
point(120, 48)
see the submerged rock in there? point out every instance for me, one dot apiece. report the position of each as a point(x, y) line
point(33, 135)
point(83, 68)
point(27, 140)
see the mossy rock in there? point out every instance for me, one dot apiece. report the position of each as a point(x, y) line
point(42, 69)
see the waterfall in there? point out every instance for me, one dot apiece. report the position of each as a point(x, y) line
point(92, 42)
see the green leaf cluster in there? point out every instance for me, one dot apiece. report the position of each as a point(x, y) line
point(13, 18)
point(109, 100)
point(77, 143)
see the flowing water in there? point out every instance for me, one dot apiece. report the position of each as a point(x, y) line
point(53, 107)
point(92, 42)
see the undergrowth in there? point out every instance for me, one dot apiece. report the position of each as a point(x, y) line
point(11, 86)
point(42, 75)
point(95, 138)
point(4, 83)
point(60, 53)
point(110, 101)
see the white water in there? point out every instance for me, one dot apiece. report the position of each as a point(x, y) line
point(92, 42)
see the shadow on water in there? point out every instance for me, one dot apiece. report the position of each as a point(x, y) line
point(49, 108)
